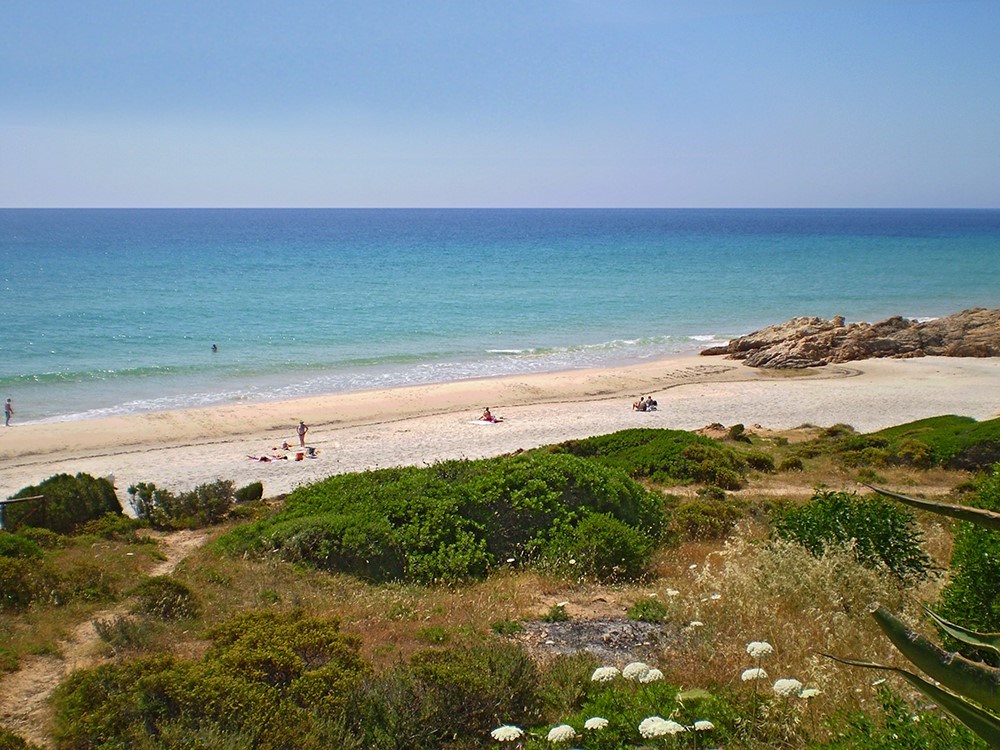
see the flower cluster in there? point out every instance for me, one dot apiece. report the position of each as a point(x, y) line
point(507, 733)
point(787, 687)
point(561, 733)
point(604, 674)
point(754, 673)
point(759, 649)
point(637, 670)
point(656, 726)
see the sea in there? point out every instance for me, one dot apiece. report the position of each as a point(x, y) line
point(117, 311)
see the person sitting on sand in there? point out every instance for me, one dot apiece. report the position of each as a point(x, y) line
point(488, 416)
point(650, 404)
point(639, 405)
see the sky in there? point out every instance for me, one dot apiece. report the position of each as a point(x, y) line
point(476, 103)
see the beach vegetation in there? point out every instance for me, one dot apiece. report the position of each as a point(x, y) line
point(164, 598)
point(666, 457)
point(972, 595)
point(205, 505)
point(878, 532)
point(250, 493)
point(705, 517)
point(458, 520)
point(717, 578)
point(65, 503)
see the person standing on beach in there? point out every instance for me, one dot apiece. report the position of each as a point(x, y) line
point(302, 429)
point(8, 412)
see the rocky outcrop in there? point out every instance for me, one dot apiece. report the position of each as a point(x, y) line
point(814, 342)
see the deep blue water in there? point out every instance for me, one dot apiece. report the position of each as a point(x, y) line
point(115, 311)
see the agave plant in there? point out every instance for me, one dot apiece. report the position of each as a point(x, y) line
point(969, 691)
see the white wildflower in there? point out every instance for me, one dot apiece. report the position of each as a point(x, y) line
point(715, 597)
point(755, 673)
point(604, 674)
point(696, 624)
point(507, 733)
point(673, 727)
point(759, 649)
point(561, 733)
point(595, 722)
point(787, 687)
point(809, 692)
point(635, 671)
point(703, 725)
point(673, 592)
point(653, 726)
point(653, 675)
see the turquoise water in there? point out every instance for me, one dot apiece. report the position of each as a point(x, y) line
point(115, 311)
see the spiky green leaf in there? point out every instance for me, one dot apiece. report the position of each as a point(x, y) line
point(970, 679)
point(971, 637)
point(986, 518)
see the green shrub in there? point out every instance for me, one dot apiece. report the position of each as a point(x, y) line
point(972, 596)
point(44, 538)
point(704, 519)
point(11, 741)
point(88, 581)
point(69, 502)
point(267, 681)
point(882, 533)
point(899, 726)
point(165, 598)
point(251, 493)
point(737, 433)
point(600, 547)
point(115, 527)
point(665, 456)
point(648, 610)
point(205, 505)
point(124, 634)
point(472, 688)
point(792, 463)
point(954, 442)
point(759, 461)
point(556, 613)
point(19, 584)
point(455, 520)
point(507, 627)
point(15, 545)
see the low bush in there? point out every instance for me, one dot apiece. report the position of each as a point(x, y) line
point(759, 461)
point(125, 635)
point(704, 518)
point(15, 545)
point(953, 442)
point(880, 533)
point(600, 547)
point(791, 463)
point(165, 598)
point(115, 527)
point(459, 519)
point(251, 493)
point(267, 681)
point(205, 505)
point(648, 610)
point(664, 456)
point(972, 595)
point(69, 502)
point(11, 741)
point(19, 583)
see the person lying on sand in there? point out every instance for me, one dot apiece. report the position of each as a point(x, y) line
point(265, 459)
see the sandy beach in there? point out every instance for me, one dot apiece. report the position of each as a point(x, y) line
point(179, 450)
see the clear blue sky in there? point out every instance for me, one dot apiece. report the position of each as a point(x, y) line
point(668, 103)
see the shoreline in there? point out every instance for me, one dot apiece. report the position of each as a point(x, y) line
point(353, 431)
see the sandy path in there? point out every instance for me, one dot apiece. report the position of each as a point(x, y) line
point(24, 695)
